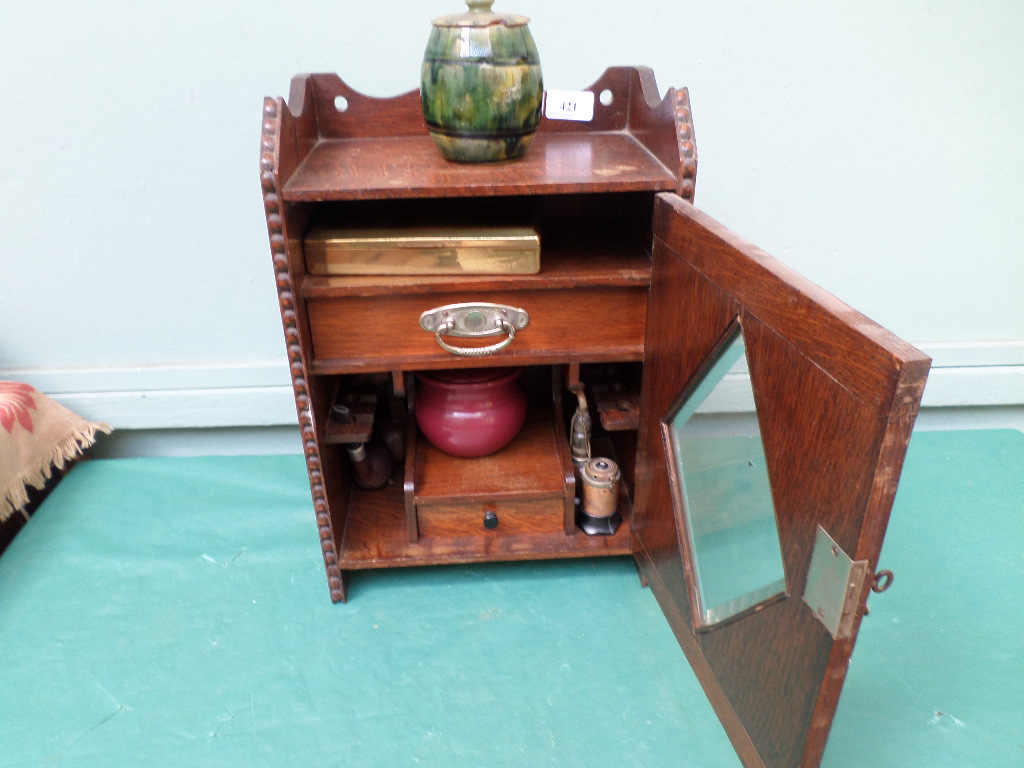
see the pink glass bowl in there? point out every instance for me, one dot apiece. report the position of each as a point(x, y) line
point(471, 412)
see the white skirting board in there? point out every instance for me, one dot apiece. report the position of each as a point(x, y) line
point(249, 407)
point(183, 396)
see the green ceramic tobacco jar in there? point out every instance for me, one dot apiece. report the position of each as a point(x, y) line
point(481, 85)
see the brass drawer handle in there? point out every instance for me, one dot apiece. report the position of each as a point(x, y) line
point(471, 320)
point(490, 349)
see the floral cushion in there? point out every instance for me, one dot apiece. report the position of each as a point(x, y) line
point(37, 435)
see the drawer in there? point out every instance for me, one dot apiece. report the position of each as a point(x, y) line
point(383, 332)
point(521, 516)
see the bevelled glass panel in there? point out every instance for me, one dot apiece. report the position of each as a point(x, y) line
point(726, 496)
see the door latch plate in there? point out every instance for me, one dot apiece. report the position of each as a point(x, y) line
point(835, 584)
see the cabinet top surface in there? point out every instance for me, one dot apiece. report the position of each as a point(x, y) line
point(410, 167)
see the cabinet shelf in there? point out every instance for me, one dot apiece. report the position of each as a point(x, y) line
point(411, 167)
point(376, 536)
point(571, 256)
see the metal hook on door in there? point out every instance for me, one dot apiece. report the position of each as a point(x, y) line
point(881, 581)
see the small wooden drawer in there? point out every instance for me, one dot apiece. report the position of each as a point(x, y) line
point(502, 518)
point(383, 332)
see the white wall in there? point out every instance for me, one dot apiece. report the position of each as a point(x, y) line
point(874, 146)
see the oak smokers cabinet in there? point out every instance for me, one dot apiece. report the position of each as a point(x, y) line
point(638, 297)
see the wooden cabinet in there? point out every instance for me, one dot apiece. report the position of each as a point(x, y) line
point(637, 294)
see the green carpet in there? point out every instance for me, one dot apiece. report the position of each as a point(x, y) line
point(174, 612)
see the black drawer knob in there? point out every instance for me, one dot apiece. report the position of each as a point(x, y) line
point(490, 519)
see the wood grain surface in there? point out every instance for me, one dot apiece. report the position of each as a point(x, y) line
point(836, 396)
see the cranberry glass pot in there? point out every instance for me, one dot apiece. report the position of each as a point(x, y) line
point(471, 412)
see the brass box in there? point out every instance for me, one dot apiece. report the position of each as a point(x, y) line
point(506, 250)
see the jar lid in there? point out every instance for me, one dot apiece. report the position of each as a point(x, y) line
point(601, 473)
point(468, 375)
point(480, 15)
